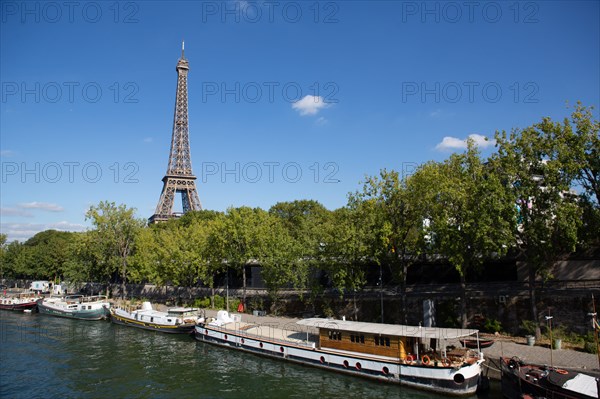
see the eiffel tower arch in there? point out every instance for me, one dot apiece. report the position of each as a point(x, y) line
point(179, 177)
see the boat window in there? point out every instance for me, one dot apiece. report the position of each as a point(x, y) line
point(335, 335)
point(357, 338)
point(152, 320)
point(169, 320)
point(382, 341)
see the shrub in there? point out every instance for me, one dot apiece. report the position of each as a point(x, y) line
point(492, 326)
point(527, 327)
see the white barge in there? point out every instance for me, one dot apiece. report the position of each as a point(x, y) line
point(407, 355)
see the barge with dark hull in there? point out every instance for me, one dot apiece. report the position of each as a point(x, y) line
point(173, 321)
point(76, 307)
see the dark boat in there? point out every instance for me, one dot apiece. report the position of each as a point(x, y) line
point(472, 343)
point(520, 380)
point(21, 302)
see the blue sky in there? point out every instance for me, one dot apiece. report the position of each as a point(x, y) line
point(287, 100)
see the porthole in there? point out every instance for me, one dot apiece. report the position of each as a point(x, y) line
point(459, 378)
point(261, 345)
point(385, 370)
point(225, 336)
point(358, 366)
point(346, 363)
point(243, 341)
point(322, 359)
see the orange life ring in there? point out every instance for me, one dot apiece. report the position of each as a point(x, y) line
point(446, 362)
point(561, 371)
point(410, 358)
point(425, 360)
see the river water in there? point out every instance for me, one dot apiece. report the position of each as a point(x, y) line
point(49, 357)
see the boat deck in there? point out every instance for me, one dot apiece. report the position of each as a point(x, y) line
point(270, 332)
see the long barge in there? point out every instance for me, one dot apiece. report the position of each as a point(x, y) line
point(407, 355)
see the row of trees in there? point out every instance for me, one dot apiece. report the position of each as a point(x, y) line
point(536, 196)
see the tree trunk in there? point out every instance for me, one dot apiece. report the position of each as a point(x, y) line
point(123, 277)
point(403, 291)
point(463, 300)
point(244, 285)
point(532, 299)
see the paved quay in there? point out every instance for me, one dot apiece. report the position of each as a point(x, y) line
point(563, 358)
point(507, 347)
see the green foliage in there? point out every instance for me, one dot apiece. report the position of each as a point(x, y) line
point(202, 303)
point(447, 314)
point(492, 326)
point(528, 327)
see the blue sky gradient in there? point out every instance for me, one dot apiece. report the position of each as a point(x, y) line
point(332, 90)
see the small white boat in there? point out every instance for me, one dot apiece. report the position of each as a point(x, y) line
point(76, 307)
point(175, 320)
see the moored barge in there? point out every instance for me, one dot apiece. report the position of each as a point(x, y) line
point(175, 321)
point(408, 355)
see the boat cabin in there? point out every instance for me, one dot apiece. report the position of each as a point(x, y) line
point(390, 340)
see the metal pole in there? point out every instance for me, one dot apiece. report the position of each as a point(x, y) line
point(227, 290)
point(381, 289)
point(549, 320)
point(595, 320)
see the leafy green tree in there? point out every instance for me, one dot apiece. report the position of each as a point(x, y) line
point(348, 248)
point(50, 250)
point(548, 214)
point(114, 236)
point(305, 222)
point(467, 211)
point(399, 224)
point(3, 248)
point(576, 145)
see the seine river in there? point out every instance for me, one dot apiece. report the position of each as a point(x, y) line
point(50, 357)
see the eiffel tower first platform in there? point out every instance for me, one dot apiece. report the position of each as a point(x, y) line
point(179, 177)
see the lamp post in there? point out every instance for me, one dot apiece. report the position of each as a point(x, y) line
point(549, 320)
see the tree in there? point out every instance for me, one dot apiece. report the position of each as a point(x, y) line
point(3, 248)
point(50, 252)
point(114, 234)
point(400, 224)
point(539, 181)
point(469, 212)
point(305, 222)
point(577, 148)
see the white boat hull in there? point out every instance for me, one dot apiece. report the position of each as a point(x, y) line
point(449, 380)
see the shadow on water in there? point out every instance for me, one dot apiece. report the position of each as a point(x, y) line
point(43, 356)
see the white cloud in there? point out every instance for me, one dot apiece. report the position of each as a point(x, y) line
point(148, 140)
point(24, 231)
point(44, 206)
point(309, 105)
point(454, 143)
point(321, 121)
point(6, 153)
point(15, 212)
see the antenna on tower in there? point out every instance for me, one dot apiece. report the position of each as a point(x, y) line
point(182, 48)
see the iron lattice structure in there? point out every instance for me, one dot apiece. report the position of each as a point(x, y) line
point(179, 177)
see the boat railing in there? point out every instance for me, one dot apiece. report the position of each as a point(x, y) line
point(241, 329)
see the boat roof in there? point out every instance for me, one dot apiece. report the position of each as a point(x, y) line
point(182, 310)
point(387, 329)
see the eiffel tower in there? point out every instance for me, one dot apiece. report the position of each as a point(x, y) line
point(179, 177)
